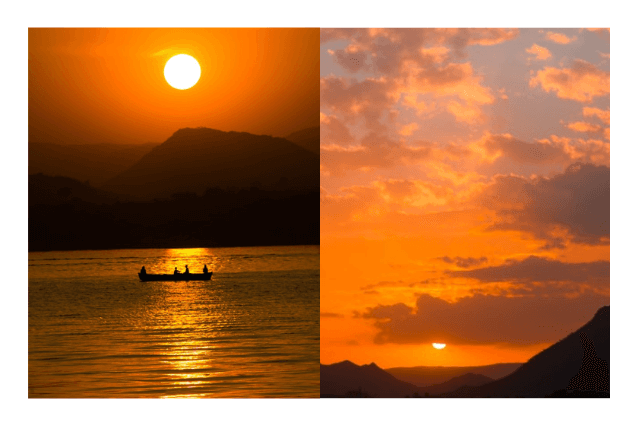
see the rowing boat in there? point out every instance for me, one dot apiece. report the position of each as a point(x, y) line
point(175, 277)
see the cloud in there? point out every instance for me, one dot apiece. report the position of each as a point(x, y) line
point(582, 82)
point(330, 315)
point(467, 113)
point(603, 33)
point(541, 53)
point(542, 270)
point(576, 201)
point(333, 130)
point(484, 319)
point(556, 150)
point(391, 44)
point(593, 151)
point(581, 126)
point(352, 60)
point(353, 100)
point(374, 152)
point(600, 113)
point(408, 129)
point(559, 38)
point(408, 62)
point(505, 145)
point(464, 262)
point(387, 284)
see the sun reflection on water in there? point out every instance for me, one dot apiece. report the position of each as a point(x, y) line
point(251, 331)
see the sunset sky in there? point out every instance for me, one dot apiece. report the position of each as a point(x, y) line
point(107, 85)
point(464, 192)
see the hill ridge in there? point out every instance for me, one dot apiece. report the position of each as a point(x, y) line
point(195, 159)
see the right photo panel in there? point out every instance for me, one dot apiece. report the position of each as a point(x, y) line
point(464, 212)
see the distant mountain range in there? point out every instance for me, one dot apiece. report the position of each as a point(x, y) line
point(191, 160)
point(346, 378)
point(95, 163)
point(578, 363)
point(426, 376)
point(196, 159)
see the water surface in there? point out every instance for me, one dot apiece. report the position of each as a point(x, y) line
point(95, 330)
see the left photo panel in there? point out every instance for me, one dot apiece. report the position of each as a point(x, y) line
point(174, 213)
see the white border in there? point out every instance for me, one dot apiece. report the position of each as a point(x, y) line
point(17, 16)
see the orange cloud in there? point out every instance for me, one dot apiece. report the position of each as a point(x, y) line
point(559, 38)
point(421, 108)
point(582, 82)
point(588, 151)
point(600, 113)
point(467, 113)
point(333, 130)
point(409, 129)
point(581, 126)
point(540, 52)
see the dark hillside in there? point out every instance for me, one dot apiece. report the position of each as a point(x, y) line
point(95, 163)
point(192, 160)
point(578, 362)
point(309, 139)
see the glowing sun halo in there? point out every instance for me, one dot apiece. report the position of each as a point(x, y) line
point(182, 71)
point(439, 345)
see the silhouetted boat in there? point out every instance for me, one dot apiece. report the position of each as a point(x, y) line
point(175, 277)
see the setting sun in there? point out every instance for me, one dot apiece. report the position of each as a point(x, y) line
point(182, 71)
point(439, 345)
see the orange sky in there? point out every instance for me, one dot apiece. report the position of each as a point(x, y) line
point(464, 192)
point(107, 85)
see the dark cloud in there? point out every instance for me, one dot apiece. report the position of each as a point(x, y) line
point(576, 201)
point(541, 270)
point(482, 319)
point(464, 262)
point(352, 61)
point(386, 284)
point(393, 45)
point(330, 315)
point(368, 289)
point(366, 99)
point(525, 152)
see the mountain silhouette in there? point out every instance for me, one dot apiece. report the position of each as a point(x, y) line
point(308, 139)
point(348, 379)
point(578, 362)
point(55, 190)
point(427, 376)
point(469, 379)
point(196, 159)
point(96, 163)
point(343, 377)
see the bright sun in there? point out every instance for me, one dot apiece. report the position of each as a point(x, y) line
point(182, 71)
point(439, 345)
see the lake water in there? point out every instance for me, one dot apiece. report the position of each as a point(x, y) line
point(96, 331)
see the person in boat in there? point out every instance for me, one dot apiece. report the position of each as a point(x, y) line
point(175, 271)
point(186, 269)
point(205, 270)
point(143, 271)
